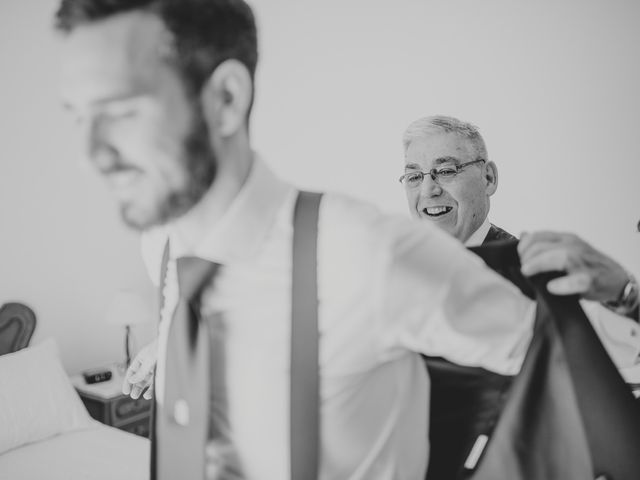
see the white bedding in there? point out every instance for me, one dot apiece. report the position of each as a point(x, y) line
point(97, 453)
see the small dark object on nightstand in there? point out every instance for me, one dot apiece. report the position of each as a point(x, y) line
point(96, 376)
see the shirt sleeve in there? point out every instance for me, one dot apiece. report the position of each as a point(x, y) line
point(620, 337)
point(439, 299)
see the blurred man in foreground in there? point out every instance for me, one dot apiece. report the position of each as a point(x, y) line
point(163, 92)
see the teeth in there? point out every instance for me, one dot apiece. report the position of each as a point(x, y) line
point(437, 210)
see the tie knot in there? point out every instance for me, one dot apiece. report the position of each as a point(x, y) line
point(193, 274)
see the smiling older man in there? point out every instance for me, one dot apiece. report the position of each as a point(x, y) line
point(449, 181)
point(454, 155)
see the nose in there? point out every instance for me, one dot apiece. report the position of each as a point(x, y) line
point(429, 187)
point(105, 158)
point(97, 148)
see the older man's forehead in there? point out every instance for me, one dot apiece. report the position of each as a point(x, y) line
point(440, 147)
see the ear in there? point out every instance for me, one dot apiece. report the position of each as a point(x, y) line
point(226, 97)
point(491, 178)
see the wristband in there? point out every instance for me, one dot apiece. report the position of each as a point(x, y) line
point(627, 302)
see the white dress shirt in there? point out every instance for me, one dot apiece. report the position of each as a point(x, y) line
point(479, 235)
point(388, 287)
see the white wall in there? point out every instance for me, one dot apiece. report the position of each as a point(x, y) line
point(551, 84)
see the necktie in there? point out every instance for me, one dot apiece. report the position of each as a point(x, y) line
point(182, 426)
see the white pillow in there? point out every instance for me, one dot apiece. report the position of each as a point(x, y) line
point(37, 399)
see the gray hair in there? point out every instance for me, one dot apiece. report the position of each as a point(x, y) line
point(443, 124)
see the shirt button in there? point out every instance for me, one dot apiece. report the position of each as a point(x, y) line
point(181, 412)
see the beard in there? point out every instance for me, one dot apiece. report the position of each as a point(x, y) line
point(200, 162)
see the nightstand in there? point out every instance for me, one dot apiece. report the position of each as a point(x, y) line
point(107, 404)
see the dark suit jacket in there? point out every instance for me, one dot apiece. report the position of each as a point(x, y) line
point(569, 414)
point(496, 234)
point(465, 403)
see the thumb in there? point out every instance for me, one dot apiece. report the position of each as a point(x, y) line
point(578, 283)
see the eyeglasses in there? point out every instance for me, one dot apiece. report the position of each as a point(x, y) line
point(441, 176)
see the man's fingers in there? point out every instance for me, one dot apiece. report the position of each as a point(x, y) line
point(532, 244)
point(532, 250)
point(140, 375)
point(576, 283)
point(128, 385)
point(148, 393)
point(547, 261)
point(140, 370)
point(136, 383)
point(529, 238)
point(133, 368)
point(148, 362)
point(136, 390)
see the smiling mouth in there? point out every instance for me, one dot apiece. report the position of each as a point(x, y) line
point(436, 211)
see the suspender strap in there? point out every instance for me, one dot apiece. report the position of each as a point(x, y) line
point(305, 412)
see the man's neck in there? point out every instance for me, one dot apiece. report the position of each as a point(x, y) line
point(477, 237)
point(189, 229)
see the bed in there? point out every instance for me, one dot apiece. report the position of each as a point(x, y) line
point(45, 430)
point(95, 453)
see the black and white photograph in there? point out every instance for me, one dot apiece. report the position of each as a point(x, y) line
point(319, 240)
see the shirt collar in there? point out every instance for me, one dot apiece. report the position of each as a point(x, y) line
point(479, 235)
point(240, 232)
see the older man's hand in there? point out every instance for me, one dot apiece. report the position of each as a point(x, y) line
point(139, 376)
point(590, 273)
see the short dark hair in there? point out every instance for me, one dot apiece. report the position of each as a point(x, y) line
point(206, 32)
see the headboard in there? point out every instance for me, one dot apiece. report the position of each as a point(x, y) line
point(17, 323)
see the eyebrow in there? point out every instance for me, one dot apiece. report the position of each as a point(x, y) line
point(437, 161)
point(101, 102)
point(412, 166)
point(447, 159)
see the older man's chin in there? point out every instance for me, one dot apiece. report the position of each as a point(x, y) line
point(446, 226)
